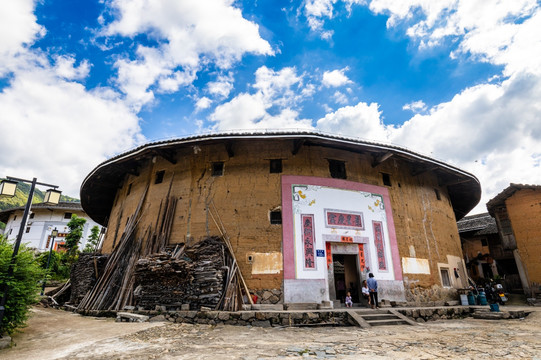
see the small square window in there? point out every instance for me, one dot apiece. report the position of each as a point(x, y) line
point(337, 169)
point(67, 215)
point(27, 229)
point(386, 179)
point(31, 215)
point(159, 177)
point(275, 166)
point(276, 217)
point(217, 168)
point(437, 192)
point(484, 242)
point(445, 277)
point(14, 217)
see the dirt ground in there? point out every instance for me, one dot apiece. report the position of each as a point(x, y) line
point(55, 334)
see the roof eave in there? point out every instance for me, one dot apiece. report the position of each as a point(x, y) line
point(99, 206)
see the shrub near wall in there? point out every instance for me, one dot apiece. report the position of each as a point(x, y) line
point(23, 285)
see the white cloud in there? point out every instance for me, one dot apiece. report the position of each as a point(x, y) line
point(271, 106)
point(64, 68)
point(277, 87)
point(493, 130)
point(18, 29)
point(317, 11)
point(335, 78)
point(53, 128)
point(222, 86)
point(340, 98)
point(58, 131)
point(362, 121)
point(500, 32)
point(415, 106)
point(203, 103)
point(190, 34)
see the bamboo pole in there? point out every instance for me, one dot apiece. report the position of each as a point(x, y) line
point(225, 237)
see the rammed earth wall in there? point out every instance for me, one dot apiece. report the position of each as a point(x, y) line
point(246, 193)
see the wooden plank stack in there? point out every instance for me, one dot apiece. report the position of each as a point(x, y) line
point(196, 278)
point(84, 274)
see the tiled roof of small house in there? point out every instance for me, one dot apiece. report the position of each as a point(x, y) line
point(482, 224)
point(499, 199)
point(63, 205)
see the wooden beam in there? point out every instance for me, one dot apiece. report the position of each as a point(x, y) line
point(422, 170)
point(168, 155)
point(453, 182)
point(128, 168)
point(297, 144)
point(376, 160)
point(229, 149)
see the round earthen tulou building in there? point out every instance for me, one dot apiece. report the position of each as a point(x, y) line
point(308, 215)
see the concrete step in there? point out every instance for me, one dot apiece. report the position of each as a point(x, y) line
point(395, 321)
point(369, 318)
point(371, 311)
point(356, 319)
point(300, 306)
point(130, 317)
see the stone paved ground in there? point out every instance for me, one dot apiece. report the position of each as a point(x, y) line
point(70, 336)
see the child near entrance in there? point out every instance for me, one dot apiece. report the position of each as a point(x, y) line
point(349, 302)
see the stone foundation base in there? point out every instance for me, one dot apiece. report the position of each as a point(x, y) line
point(270, 296)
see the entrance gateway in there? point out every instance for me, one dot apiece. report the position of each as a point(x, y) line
point(334, 233)
point(346, 277)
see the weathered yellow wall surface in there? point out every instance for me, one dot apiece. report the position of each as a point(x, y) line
point(244, 196)
point(524, 209)
point(472, 247)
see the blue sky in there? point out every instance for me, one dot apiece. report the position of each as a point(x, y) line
point(458, 80)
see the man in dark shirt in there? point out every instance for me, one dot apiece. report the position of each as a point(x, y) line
point(373, 288)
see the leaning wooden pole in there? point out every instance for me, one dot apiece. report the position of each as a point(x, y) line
point(225, 237)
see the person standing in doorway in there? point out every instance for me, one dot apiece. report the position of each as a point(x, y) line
point(373, 288)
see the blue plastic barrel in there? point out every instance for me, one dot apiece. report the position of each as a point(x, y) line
point(482, 298)
point(471, 298)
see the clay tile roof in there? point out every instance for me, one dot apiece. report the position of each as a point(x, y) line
point(499, 199)
point(482, 224)
point(100, 186)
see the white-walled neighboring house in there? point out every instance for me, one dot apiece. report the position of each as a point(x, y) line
point(43, 219)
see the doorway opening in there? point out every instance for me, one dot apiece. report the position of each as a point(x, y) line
point(346, 277)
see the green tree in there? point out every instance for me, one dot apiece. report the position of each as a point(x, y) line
point(23, 286)
point(76, 225)
point(59, 268)
point(93, 239)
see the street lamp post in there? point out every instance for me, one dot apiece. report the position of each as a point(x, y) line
point(54, 234)
point(52, 196)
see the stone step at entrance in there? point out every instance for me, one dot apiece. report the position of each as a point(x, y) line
point(369, 318)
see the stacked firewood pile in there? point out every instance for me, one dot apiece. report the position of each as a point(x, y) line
point(205, 274)
point(84, 274)
point(196, 277)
